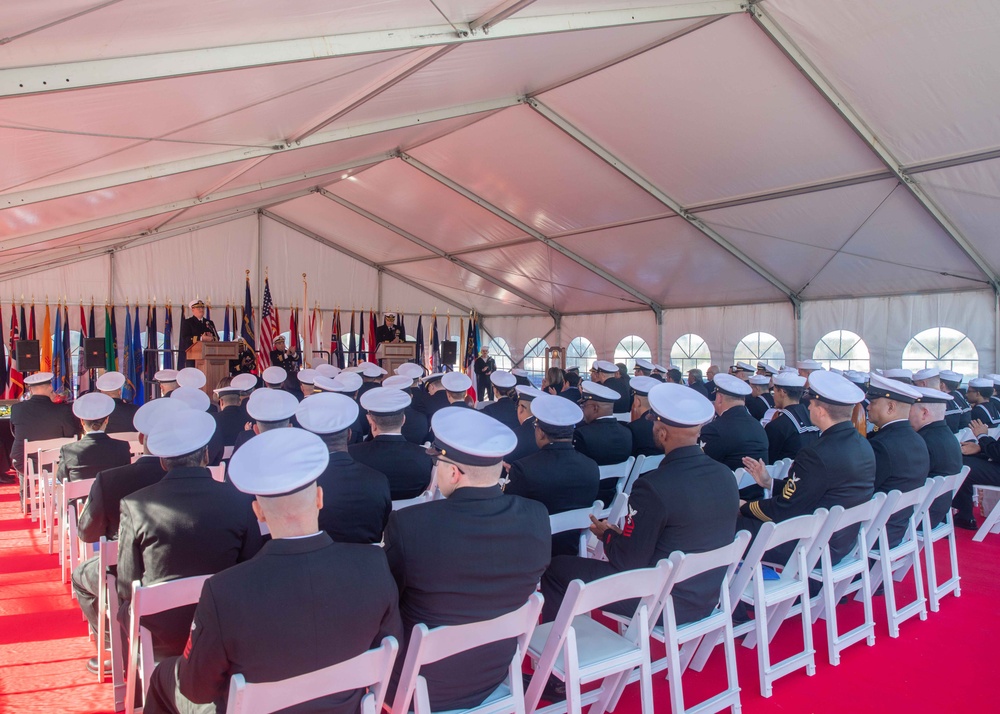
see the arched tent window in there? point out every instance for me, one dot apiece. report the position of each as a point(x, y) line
point(760, 347)
point(942, 347)
point(691, 352)
point(581, 353)
point(500, 352)
point(534, 359)
point(631, 348)
point(842, 349)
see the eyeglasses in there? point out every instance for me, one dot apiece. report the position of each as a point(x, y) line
point(435, 458)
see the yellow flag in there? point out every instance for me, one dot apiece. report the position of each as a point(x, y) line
point(45, 348)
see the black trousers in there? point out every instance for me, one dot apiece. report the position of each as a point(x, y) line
point(165, 697)
point(981, 471)
point(483, 387)
point(86, 585)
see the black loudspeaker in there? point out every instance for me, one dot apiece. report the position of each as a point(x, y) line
point(94, 356)
point(27, 356)
point(449, 352)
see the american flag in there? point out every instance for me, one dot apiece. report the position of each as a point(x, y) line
point(268, 328)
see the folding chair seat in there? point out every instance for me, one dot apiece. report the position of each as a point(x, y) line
point(70, 544)
point(432, 645)
point(894, 563)
point(370, 670)
point(576, 520)
point(407, 502)
point(149, 600)
point(945, 529)
point(577, 649)
point(837, 579)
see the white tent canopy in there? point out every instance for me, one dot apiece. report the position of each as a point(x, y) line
point(799, 166)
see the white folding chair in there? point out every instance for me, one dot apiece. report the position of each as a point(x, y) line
point(118, 653)
point(619, 471)
point(227, 452)
point(577, 519)
point(31, 493)
point(578, 649)
point(650, 463)
point(125, 435)
point(992, 522)
point(614, 514)
point(432, 645)
point(946, 529)
point(837, 578)
point(149, 600)
point(69, 542)
point(370, 670)
point(218, 472)
point(407, 502)
point(47, 461)
point(624, 417)
point(107, 555)
point(892, 564)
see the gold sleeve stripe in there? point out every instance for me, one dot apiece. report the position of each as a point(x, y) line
point(756, 510)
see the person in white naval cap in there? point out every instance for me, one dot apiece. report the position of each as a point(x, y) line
point(902, 461)
point(303, 603)
point(982, 456)
point(456, 385)
point(483, 367)
point(270, 409)
point(927, 417)
point(790, 429)
point(688, 503)
point(733, 434)
point(980, 396)
point(761, 399)
point(274, 377)
point(39, 417)
point(192, 378)
point(557, 475)
point(929, 378)
point(416, 426)
point(837, 470)
point(111, 383)
point(371, 376)
point(196, 328)
point(166, 380)
point(642, 428)
point(100, 516)
point(504, 409)
point(608, 375)
point(521, 375)
point(742, 370)
point(406, 465)
point(807, 367)
point(95, 451)
point(643, 368)
point(472, 556)
point(357, 498)
point(958, 412)
point(302, 386)
point(525, 431)
point(185, 524)
point(602, 437)
point(900, 375)
point(231, 418)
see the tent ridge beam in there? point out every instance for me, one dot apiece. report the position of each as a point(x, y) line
point(361, 259)
point(402, 233)
point(498, 14)
point(525, 228)
point(126, 70)
point(646, 185)
point(773, 31)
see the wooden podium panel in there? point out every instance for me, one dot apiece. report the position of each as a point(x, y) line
point(212, 358)
point(392, 354)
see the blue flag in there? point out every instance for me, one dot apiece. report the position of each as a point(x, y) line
point(247, 330)
point(138, 373)
point(435, 346)
point(225, 326)
point(57, 373)
point(66, 353)
point(125, 365)
point(168, 327)
point(420, 339)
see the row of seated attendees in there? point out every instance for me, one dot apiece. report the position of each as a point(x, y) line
point(320, 462)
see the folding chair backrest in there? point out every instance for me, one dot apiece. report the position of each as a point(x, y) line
point(31, 447)
point(218, 472)
point(151, 599)
point(651, 463)
point(753, 556)
point(227, 452)
point(407, 502)
point(954, 481)
point(75, 489)
point(577, 519)
point(802, 529)
point(619, 471)
point(642, 584)
point(827, 530)
point(688, 565)
point(867, 515)
point(125, 435)
point(915, 498)
point(371, 670)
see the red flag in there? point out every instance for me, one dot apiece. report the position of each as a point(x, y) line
point(293, 330)
point(371, 336)
point(269, 328)
point(16, 388)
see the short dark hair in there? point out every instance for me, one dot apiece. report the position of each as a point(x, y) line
point(387, 422)
point(674, 375)
point(838, 412)
point(336, 440)
point(984, 392)
point(193, 458)
point(92, 424)
point(793, 393)
point(573, 379)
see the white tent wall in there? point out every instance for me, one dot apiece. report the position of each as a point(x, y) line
point(75, 282)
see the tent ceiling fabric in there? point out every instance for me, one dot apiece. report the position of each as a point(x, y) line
point(806, 158)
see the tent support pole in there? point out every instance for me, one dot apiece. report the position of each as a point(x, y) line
point(797, 320)
point(111, 276)
point(378, 284)
point(542, 338)
point(996, 329)
point(260, 269)
point(659, 336)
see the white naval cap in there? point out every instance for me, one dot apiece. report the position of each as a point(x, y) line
point(788, 369)
point(385, 401)
point(470, 437)
point(373, 370)
point(745, 367)
point(981, 383)
point(172, 437)
point(456, 382)
point(518, 372)
point(933, 396)
point(645, 364)
point(278, 462)
point(307, 376)
point(834, 389)
point(602, 365)
point(93, 406)
point(362, 365)
point(274, 375)
point(347, 382)
point(193, 398)
point(884, 388)
point(898, 374)
point(197, 302)
point(271, 405)
point(680, 406)
point(731, 386)
point(760, 380)
point(527, 393)
point(556, 411)
point(111, 381)
point(598, 392)
point(994, 377)
point(809, 364)
point(165, 376)
point(327, 370)
point(38, 378)
point(152, 413)
point(641, 385)
point(432, 377)
point(856, 377)
point(191, 377)
point(661, 369)
point(770, 368)
point(928, 373)
point(325, 384)
point(950, 376)
point(503, 379)
point(327, 413)
point(398, 381)
point(410, 369)
point(223, 391)
point(244, 382)
point(789, 379)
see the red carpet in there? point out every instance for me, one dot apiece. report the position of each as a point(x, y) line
point(946, 664)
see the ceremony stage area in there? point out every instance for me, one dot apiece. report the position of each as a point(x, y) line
point(945, 664)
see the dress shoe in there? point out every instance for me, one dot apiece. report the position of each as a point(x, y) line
point(92, 665)
point(968, 524)
point(555, 690)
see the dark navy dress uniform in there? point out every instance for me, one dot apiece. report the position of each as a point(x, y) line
point(406, 466)
point(789, 432)
point(838, 470)
point(620, 385)
point(504, 410)
point(987, 413)
point(94, 452)
point(642, 437)
point(312, 603)
point(526, 443)
point(121, 418)
point(36, 419)
point(474, 556)
point(416, 428)
point(562, 479)
point(230, 422)
point(356, 501)
point(901, 463)
point(191, 328)
point(607, 441)
point(688, 503)
point(984, 468)
point(945, 455)
point(958, 414)
point(758, 406)
point(733, 435)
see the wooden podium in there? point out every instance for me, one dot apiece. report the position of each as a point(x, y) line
point(392, 354)
point(212, 358)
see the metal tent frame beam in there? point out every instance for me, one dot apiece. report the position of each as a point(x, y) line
point(438, 252)
point(126, 70)
point(801, 61)
point(525, 228)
